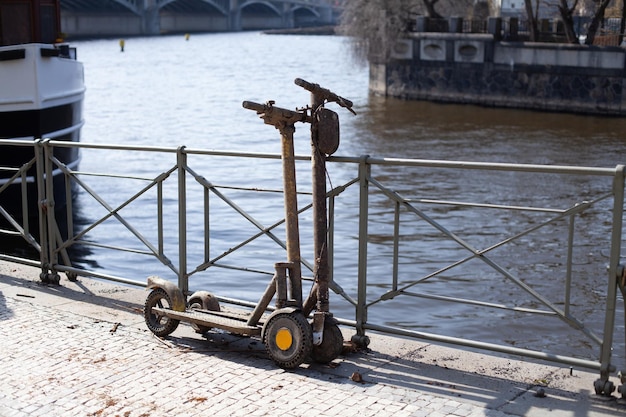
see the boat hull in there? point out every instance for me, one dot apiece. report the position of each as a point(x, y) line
point(41, 97)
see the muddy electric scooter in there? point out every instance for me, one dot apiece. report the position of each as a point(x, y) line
point(287, 332)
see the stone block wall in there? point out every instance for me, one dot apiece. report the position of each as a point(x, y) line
point(476, 69)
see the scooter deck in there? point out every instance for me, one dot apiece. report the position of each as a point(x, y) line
point(232, 322)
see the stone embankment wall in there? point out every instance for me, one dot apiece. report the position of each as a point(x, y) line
point(477, 69)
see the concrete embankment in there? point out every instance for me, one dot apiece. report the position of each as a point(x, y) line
point(480, 69)
point(82, 349)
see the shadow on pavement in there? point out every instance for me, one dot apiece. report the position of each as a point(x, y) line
point(5, 312)
point(94, 294)
point(430, 370)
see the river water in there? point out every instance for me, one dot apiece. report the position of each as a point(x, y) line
point(168, 91)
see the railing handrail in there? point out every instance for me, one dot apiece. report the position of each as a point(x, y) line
point(426, 163)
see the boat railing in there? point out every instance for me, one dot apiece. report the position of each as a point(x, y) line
point(400, 237)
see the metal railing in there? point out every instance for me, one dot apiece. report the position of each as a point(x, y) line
point(515, 29)
point(397, 241)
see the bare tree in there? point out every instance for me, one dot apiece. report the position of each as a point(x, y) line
point(532, 19)
point(566, 9)
point(481, 10)
point(622, 25)
point(375, 25)
point(447, 8)
point(595, 22)
point(567, 14)
point(430, 9)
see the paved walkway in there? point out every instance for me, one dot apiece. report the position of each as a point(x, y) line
point(82, 349)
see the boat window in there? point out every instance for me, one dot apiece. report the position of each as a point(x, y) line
point(25, 21)
point(15, 23)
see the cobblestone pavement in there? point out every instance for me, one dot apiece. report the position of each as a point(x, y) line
point(81, 349)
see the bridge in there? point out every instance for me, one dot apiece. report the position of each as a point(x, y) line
point(81, 18)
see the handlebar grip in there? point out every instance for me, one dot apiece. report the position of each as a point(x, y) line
point(304, 84)
point(251, 105)
point(324, 92)
point(344, 102)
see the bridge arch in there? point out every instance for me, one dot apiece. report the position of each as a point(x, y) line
point(132, 5)
point(304, 16)
point(153, 17)
point(259, 15)
point(260, 7)
point(114, 6)
point(193, 16)
point(221, 6)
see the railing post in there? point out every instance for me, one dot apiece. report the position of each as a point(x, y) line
point(455, 24)
point(568, 270)
point(50, 204)
point(41, 214)
point(361, 307)
point(603, 386)
point(421, 24)
point(494, 27)
point(181, 161)
point(513, 30)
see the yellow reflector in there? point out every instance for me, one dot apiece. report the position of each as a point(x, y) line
point(283, 339)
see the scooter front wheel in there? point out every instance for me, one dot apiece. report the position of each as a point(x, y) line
point(158, 324)
point(332, 343)
point(288, 339)
point(203, 300)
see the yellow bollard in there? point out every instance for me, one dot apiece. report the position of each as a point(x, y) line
point(186, 36)
point(122, 45)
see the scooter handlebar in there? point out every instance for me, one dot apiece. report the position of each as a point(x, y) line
point(273, 115)
point(325, 93)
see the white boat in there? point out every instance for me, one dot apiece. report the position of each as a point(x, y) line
point(41, 94)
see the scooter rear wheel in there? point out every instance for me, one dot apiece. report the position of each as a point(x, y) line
point(288, 339)
point(158, 324)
